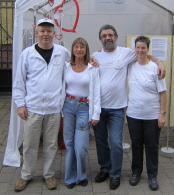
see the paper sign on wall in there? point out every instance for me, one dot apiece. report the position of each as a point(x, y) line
point(159, 47)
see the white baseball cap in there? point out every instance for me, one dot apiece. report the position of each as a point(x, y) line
point(45, 20)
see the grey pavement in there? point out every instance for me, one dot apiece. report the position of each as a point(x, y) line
point(8, 175)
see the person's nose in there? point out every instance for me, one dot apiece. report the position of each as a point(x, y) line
point(46, 33)
point(107, 36)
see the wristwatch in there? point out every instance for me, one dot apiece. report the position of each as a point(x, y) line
point(158, 61)
point(163, 113)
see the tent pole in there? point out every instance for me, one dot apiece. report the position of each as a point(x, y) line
point(168, 151)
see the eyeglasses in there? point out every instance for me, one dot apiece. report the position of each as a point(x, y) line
point(105, 35)
point(79, 47)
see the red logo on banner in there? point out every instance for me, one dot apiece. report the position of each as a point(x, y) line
point(51, 2)
point(59, 37)
point(59, 9)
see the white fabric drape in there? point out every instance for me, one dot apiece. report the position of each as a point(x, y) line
point(15, 135)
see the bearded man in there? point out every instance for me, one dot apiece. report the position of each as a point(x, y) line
point(113, 63)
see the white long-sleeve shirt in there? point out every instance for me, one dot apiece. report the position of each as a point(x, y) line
point(38, 85)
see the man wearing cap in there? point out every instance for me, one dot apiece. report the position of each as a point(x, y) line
point(37, 94)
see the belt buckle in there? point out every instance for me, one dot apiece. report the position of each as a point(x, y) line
point(78, 98)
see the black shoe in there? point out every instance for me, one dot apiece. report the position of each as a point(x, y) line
point(114, 183)
point(84, 183)
point(102, 176)
point(153, 184)
point(133, 181)
point(71, 186)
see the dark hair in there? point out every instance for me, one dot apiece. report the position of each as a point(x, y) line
point(84, 43)
point(106, 27)
point(143, 39)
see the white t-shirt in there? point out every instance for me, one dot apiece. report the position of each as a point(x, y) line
point(144, 88)
point(113, 72)
point(77, 83)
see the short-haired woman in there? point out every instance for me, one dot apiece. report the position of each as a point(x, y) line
point(145, 113)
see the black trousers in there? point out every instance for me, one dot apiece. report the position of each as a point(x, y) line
point(144, 133)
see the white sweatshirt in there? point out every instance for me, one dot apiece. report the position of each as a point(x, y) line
point(38, 85)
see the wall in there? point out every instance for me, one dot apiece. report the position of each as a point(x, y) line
point(136, 18)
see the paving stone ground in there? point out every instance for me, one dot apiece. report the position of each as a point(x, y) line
point(8, 175)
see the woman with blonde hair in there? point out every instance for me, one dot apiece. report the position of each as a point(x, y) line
point(81, 106)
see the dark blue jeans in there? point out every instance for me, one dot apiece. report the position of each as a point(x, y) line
point(144, 133)
point(110, 152)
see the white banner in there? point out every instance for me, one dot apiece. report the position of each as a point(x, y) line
point(109, 4)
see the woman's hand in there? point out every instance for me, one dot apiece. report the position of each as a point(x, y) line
point(161, 120)
point(94, 122)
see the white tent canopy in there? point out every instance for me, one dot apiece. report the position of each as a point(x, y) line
point(134, 17)
point(167, 4)
point(15, 136)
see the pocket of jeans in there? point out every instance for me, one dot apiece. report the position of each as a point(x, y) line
point(82, 126)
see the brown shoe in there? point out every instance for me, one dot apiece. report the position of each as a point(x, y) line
point(20, 185)
point(51, 183)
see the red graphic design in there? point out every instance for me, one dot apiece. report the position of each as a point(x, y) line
point(59, 9)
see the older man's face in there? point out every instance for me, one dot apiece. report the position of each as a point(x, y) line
point(108, 39)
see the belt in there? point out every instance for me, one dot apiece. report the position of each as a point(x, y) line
point(81, 99)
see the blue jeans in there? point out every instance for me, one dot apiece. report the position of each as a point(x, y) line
point(110, 153)
point(144, 133)
point(76, 137)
